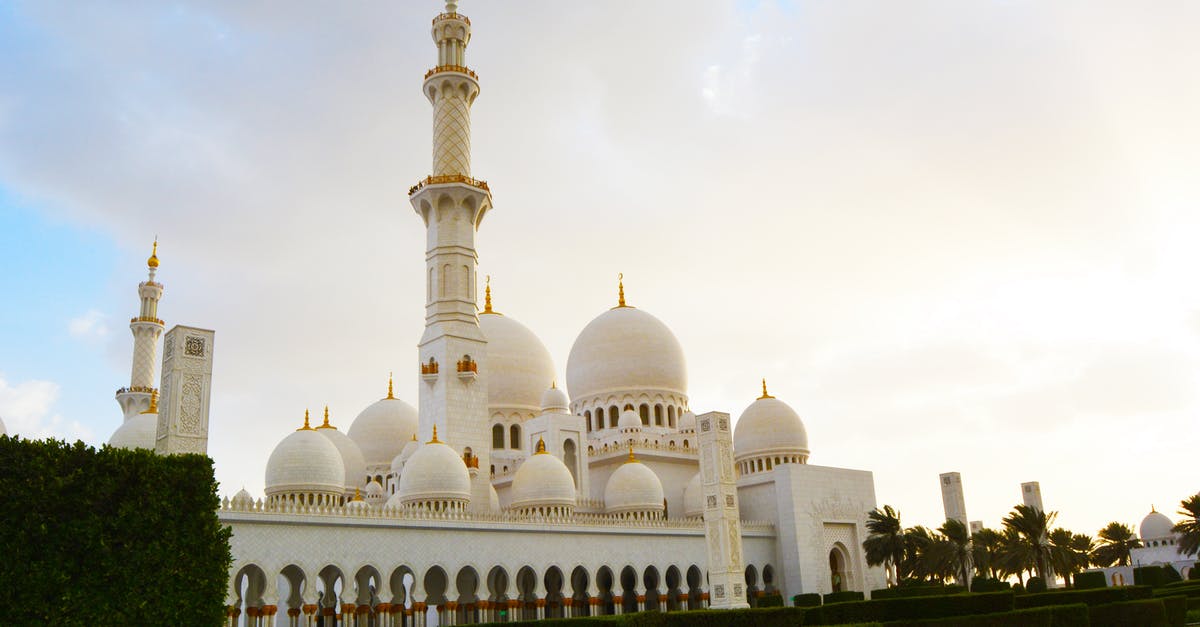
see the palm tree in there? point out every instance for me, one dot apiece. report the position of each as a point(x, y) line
point(1031, 527)
point(919, 562)
point(985, 552)
point(1012, 559)
point(1189, 528)
point(955, 545)
point(885, 541)
point(1069, 552)
point(1115, 542)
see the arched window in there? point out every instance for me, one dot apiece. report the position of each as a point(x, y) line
point(569, 460)
point(599, 418)
point(514, 436)
point(587, 419)
point(658, 416)
point(612, 416)
point(644, 412)
point(685, 444)
point(497, 436)
point(671, 416)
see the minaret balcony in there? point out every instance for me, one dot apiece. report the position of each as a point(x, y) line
point(136, 389)
point(146, 319)
point(451, 16)
point(449, 178)
point(459, 69)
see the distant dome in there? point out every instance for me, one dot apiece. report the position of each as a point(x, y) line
point(139, 431)
point(629, 420)
point(307, 462)
point(394, 502)
point(242, 500)
point(625, 349)
point(373, 492)
point(769, 426)
point(354, 467)
point(687, 422)
point(357, 504)
point(435, 474)
point(1156, 525)
point(410, 447)
point(518, 365)
point(543, 482)
point(381, 430)
point(633, 488)
point(555, 401)
point(693, 499)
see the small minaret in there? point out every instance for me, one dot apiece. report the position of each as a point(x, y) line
point(953, 502)
point(453, 351)
point(146, 329)
point(722, 520)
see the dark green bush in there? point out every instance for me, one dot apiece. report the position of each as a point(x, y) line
point(1052, 616)
point(812, 599)
point(1098, 596)
point(1035, 585)
point(770, 600)
point(910, 608)
point(1176, 608)
point(985, 584)
point(1091, 580)
point(842, 597)
point(1170, 575)
point(109, 537)
point(1194, 574)
point(1152, 576)
point(1143, 613)
point(914, 591)
point(1188, 583)
point(1018, 588)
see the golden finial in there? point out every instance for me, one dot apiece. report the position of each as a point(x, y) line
point(553, 384)
point(434, 440)
point(357, 495)
point(326, 425)
point(153, 409)
point(414, 436)
point(390, 396)
point(487, 295)
point(305, 427)
point(541, 447)
point(765, 395)
point(631, 457)
point(153, 260)
point(620, 289)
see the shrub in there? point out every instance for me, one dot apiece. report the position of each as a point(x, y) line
point(1143, 612)
point(1035, 585)
point(771, 600)
point(109, 536)
point(1091, 580)
point(1098, 596)
point(1152, 576)
point(842, 597)
point(914, 591)
point(1053, 616)
point(985, 584)
point(910, 608)
point(811, 599)
point(1176, 608)
point(1194, 574)
point(1170, 575)
point(1018, 588)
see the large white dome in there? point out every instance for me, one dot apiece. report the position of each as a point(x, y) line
point(434, 473)
point(769, 426)
point(519, 367)
point(139, 431)
point(381, 429)
point(633, 488)
point(625, 349)
point(1155, 526)
point(354, 468)
point(305, 461)
point(543, 481)
point(693, 498)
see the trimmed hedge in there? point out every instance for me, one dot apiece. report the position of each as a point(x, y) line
point(1091, 580)
point(770, 600)
point(1149, 576)
point(986, 584)
point(109, 537)
point(842, 597)
point(812, 599)
point(1143, 612)
point(914, 591)
point(1050, 616)
point(1095, 597)
point(774, 617)
point(1176, 608)
point(1035, 585)
point(910, 608)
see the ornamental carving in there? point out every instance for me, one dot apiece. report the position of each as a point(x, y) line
point(168, 350)
point(189, 404)
point(193, 346)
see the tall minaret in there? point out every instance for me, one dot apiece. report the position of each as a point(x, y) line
point(453, 351)
point(146, 329)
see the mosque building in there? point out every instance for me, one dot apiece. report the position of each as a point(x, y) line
point(502, 495)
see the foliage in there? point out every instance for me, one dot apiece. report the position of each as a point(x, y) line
point(1028, 544)
point(812, 599)
point(1189, 528)
point(1155, 575)
point(1144, 613)
point(1052, 616)
point(1035, 585)
point(1115, 541)
point(842, 597)
point(953, 550)
point(910, 608)
point(109, 536)
point(1098, 596)
point(916, 540)
point(770, 600)
point(1090, 580)
point(1070, 553)
point(916, 591)
point(985, 549)
point(988, 584)
point(1176, 607)
point(1171, 575)
point(1194, 574)
point(885, 544)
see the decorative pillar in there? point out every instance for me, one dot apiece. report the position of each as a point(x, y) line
point(641, 598)
point(618, 604)
point(664, 601)
point(722, 522)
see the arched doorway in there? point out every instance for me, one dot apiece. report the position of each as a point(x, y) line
point(837, 569)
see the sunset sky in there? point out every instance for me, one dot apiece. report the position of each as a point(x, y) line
point(955, 235)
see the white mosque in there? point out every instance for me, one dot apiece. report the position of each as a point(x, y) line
point(502, 495)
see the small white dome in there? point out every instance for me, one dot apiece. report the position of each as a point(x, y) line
point(381, 429)
point(633, 488)
point(373, 490)
point(625, 349)
point(242, 499)
point(357, 504)
point(410, 447)
point(629, 420)
point(543, 481)
point(687, 422)
point(305, 461)
point(394, 502)
point(435, 472)
point(139, 431)
point(1155, 526)
point(354, 467)
point(693, 498)
point(518, 364)
point(555, 401)
point(769, 425)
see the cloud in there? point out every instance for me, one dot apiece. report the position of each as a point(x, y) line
point(27, 409)
point(89, 326)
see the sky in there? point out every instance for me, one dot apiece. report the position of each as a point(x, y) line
point(954, 236)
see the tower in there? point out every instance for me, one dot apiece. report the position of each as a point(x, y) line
point(1031, 495)
point(186, 388)
point(146, 328)
point(952, 497)
point(453, 351)
point(722, 522)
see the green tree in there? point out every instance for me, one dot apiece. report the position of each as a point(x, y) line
point(917, 564)
point(1115, 541)
point(885, 540)
point(985, 552)
point(1189, 528)
point(954, 545)
point(1030, 541)
point(1069, 552)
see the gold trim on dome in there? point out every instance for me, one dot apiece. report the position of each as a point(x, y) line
point(434, 440)
point(305, 427)
point(153, 260)
point(357, 495)
point(541, 447)
point(631, 459)
point(390, 396)
point(326, 425)
point(487, 298)
point(765, 395)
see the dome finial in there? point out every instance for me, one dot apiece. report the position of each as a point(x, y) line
point(153, 260)
point(390, 395)
point(153, 409)
point(357, 495)
point(326, 425)
point(765, 395)
point(487, 295)
point(305, 427)
point(434, 440)
point(631, 457)
point(620, 289)
point(541, 447)
point(451, 6)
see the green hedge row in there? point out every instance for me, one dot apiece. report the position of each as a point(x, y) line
point(985, 584)
point(1050, 616)
point(915, 608)
point(1153, 576)
point(1143, 613)
point(1091, 580)
point(915, 591)
point(1099, 596)
point(1189, 583)
point(773, 617)
point(842, 597)
point(109, 537)
point(812, 599)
